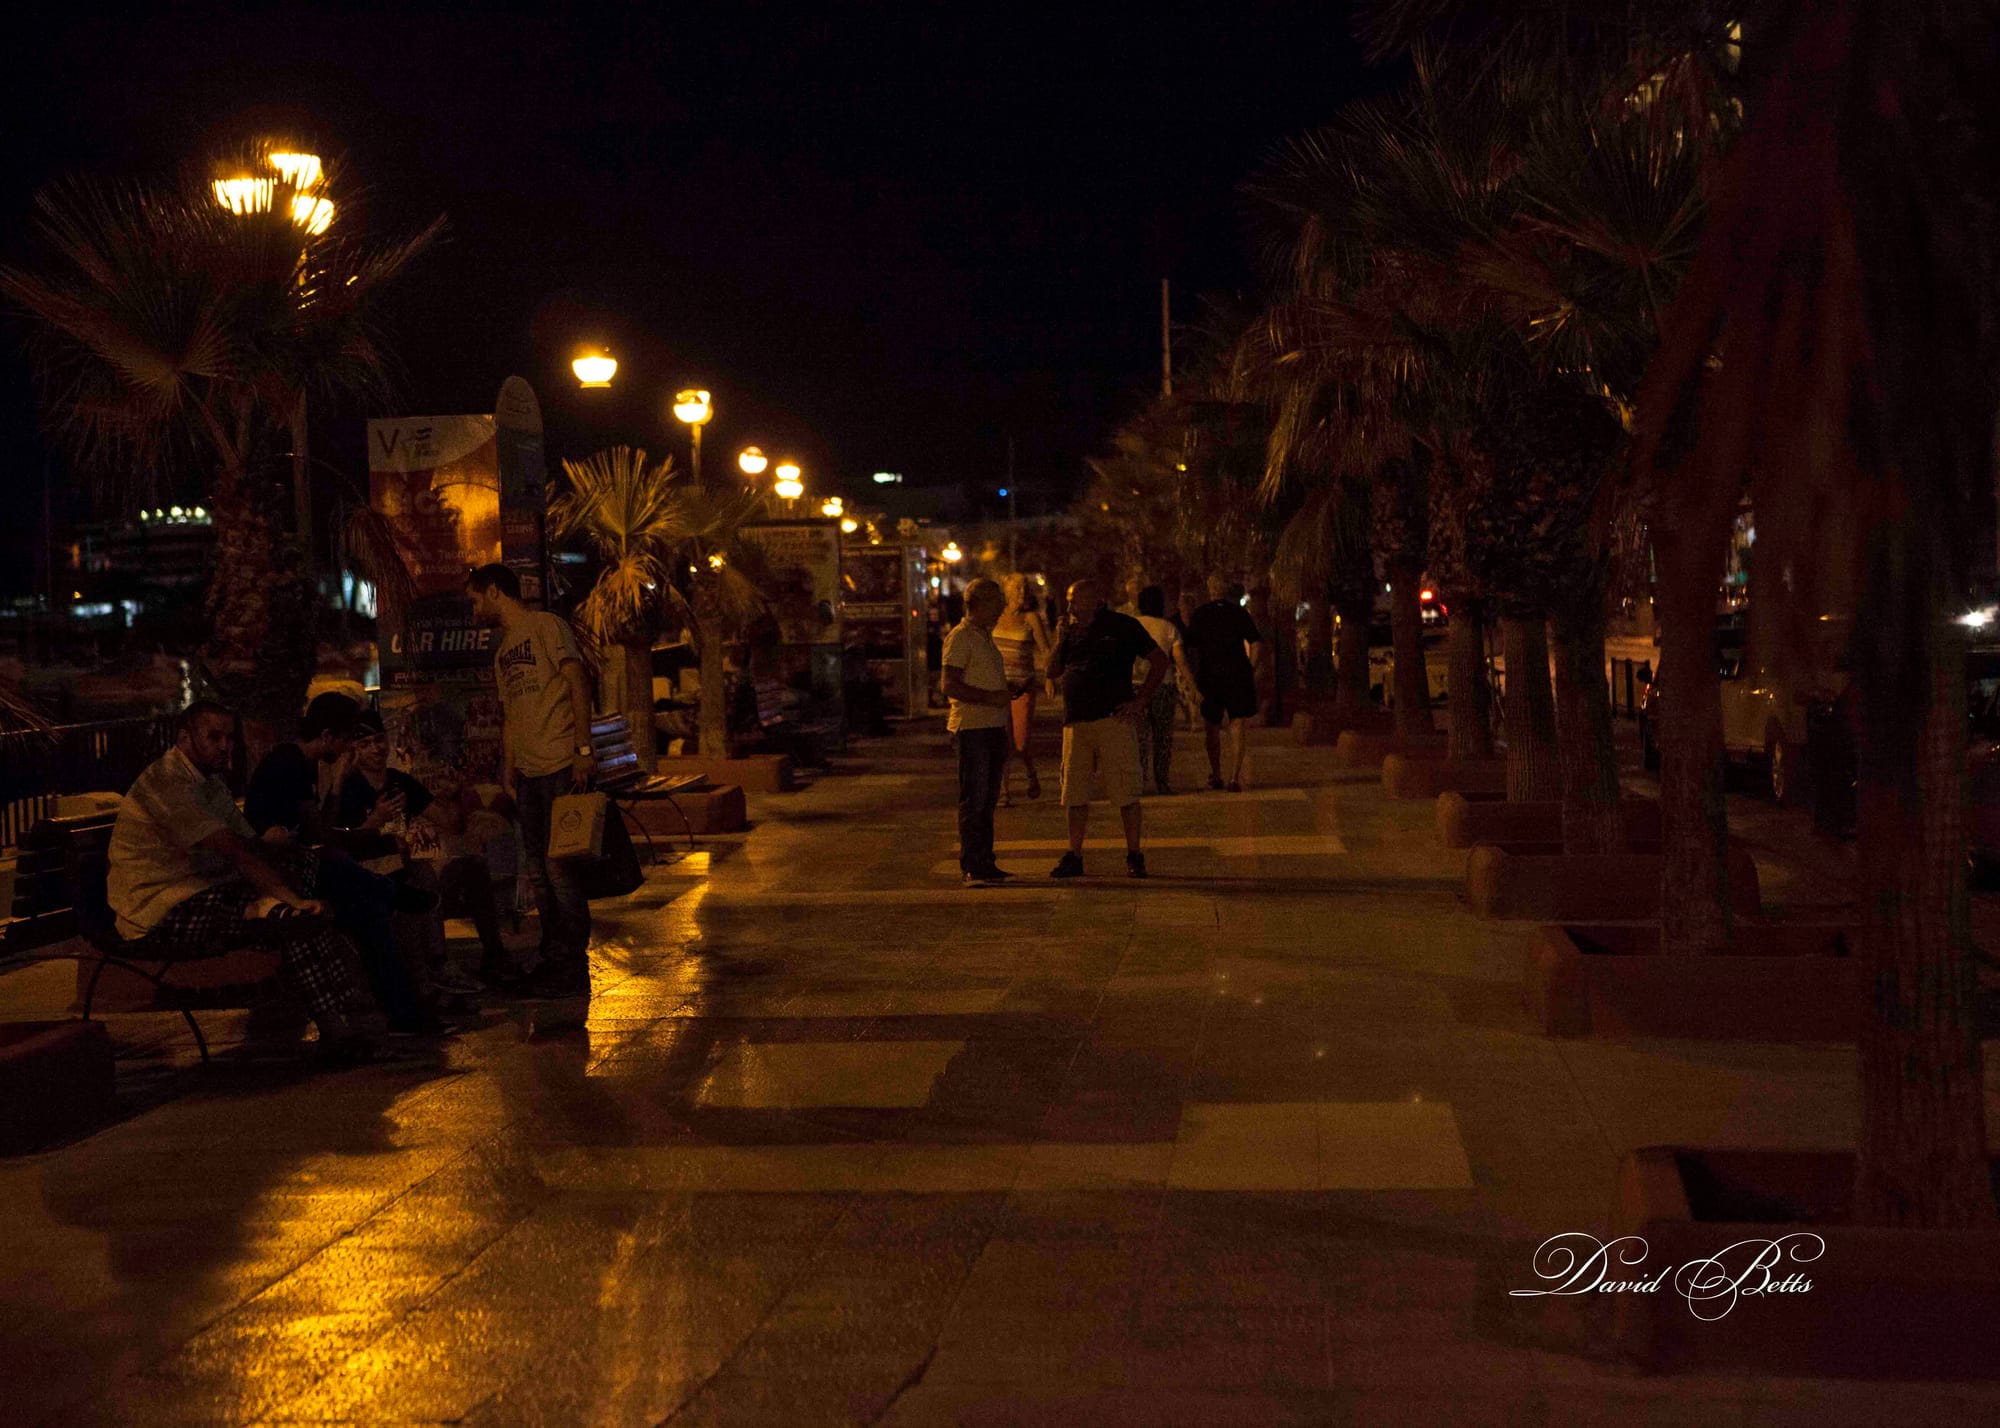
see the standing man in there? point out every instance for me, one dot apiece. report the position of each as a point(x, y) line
point(545, 693)
point(975, 683)
point(1221, 635)
point(1094, 658)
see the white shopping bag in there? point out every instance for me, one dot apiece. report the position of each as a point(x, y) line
point(576, 825)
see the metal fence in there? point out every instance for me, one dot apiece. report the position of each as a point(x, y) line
point(36, 769)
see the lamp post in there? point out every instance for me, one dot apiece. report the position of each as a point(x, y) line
point(790, 484)
point(693, 407)
point(751, 461)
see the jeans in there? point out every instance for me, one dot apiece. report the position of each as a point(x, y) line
point(559, 895)
point(362, 906)
point(982, 759)
point(1156, 734)
point(465, 889)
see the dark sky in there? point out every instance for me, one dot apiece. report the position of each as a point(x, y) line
point(886, 237)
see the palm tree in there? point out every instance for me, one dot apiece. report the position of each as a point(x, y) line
point(651, 535)
point(175, 343)
point(1836, 339)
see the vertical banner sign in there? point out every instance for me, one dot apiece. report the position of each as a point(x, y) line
point(459, 492)
point(883, 596)
point(803, 587)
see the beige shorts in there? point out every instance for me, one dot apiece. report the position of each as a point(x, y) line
point(1110, 747)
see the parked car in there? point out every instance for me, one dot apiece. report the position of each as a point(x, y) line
point(1765, 714)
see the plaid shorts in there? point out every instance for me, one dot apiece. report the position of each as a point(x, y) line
point(316, 961)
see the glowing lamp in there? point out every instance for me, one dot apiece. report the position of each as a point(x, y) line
point(716, 561)
point(595, 369)
point(1427, 595)
point(301, 171)
point(788, 484)
point(693, 407)
point(951, 553)
point(831, 506)
point(848, 525)
point(752, 461)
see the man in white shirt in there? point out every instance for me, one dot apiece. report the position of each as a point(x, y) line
point(975, 681)
point(545, 695)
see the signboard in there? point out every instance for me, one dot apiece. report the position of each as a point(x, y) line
point(804, 580)
point(883, 600)
point(458, 492)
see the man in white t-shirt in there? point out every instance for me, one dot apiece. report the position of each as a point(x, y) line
point(975, 681)
point(545, 697)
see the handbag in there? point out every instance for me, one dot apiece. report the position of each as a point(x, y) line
point(576, 825)
point(616, 872)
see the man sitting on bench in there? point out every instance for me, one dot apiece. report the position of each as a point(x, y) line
point(189, 877)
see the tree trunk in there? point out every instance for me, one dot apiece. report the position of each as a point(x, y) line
point(1923, 1125)
point(635, 700)
point(263, 633)
point(713, 711)
point(1471, 700)
point(1284, 661)
point(1319, 648)
point(1406, 633)
point(1534, 769)
point(1590, 795)
point(1695, 915)
point(1351, 670)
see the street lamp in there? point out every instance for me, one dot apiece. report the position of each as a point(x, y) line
point(752, 461)
point(951, 553)
point(595, 369)
point(848, 525)
point(831, 507)
point(693, 407)
point(789, 484)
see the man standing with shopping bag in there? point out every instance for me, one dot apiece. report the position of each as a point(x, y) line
point(545, 695)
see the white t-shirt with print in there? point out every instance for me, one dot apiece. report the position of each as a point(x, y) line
point(971, 651)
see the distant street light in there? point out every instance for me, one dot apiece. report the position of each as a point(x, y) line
point(752, 461)
point(693, 407)
point(595, 369)
point(951, 553)
point(831, 506)
point(789, 484)
point(848, 525)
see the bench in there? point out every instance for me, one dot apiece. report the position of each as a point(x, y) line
point(621, 779)
point(60, 913)
point(804, 741)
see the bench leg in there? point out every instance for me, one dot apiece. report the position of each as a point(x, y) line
point(631, 822)
point(159, 985)
point(686, 822)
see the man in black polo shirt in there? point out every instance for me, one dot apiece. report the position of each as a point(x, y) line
point(1093, 657)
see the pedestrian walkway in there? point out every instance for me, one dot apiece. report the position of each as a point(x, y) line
point(1263, 1139)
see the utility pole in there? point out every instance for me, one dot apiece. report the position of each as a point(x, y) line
point(1166, 341)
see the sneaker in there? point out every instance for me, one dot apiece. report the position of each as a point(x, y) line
point(1215, 781)
point(996, 874)
point(1071, 866)
point(502, 978)
point(454, 981)
point(1235, 787)
point(559, 980)
point(975, 880)
point(1135, 865)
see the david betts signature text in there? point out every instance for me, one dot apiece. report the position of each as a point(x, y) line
point(1576, 1263)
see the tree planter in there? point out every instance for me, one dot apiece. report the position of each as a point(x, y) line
point(1531, 880)
point(756, 773)
point(1467, 818)
point(1884, 1303)
point(56, 1078)
point(1414, 776)
point(1778, 983)
point(707, 810)
point(1324, 723)
point(1356, 750)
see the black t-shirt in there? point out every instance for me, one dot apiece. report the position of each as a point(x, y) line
point(284, 783)
point(1097, 664)
point(1215, 635)
point(357, 796)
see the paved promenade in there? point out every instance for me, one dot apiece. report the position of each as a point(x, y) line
point(1265, 1139)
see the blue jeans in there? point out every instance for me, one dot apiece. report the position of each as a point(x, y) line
point(982, 759)
point(559, 898)
point(361, 903)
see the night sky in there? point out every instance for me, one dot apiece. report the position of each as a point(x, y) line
point(885, 237)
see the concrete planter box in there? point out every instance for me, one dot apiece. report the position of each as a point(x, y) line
point(1356, 750)
point(1781, 983)
point(1532, 880)
point(1468, 817)
point(56, 1078)
point(1323, 724)
point(708, 810)
point(1884, 1303)
point(756, 773)
point(1410, 776)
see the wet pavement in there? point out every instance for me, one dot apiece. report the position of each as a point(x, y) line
point(1265, 1139)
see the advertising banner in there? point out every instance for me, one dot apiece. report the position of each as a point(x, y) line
point(801, 582)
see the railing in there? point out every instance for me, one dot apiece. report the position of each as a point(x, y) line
point(36, 769)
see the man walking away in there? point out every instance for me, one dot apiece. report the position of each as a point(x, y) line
point(975, 683)
point(188, 875)
point(1156, 725)
point(1094, 659)
point(545, 695)
point(1221, 634)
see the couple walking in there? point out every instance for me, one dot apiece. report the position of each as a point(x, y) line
point(1094, 657)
